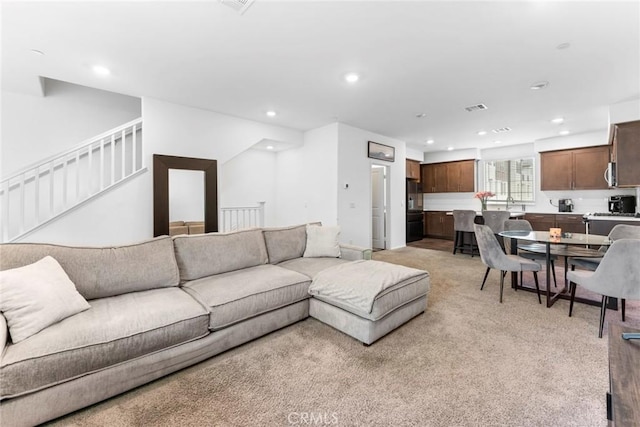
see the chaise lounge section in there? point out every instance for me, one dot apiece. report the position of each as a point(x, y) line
point(162, 305)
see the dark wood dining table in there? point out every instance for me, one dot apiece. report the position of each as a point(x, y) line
point(568, 245)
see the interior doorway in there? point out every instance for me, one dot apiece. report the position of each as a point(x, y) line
point(379, 203)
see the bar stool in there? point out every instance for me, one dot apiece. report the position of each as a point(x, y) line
point(463, 221)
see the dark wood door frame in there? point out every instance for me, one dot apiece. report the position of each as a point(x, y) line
point(161, 166)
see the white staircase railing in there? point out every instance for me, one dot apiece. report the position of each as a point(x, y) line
point(44, 191)
point(238, 218)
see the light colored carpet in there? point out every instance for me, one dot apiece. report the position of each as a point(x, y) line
point(468, 361)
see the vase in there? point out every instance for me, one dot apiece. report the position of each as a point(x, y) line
point(483, 205)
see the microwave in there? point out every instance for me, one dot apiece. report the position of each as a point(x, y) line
point(622, 204)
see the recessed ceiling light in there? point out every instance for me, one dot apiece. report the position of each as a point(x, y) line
point(557, 120)
point(539, 85)
point(421, 115)
point(269, 147)
point(564, 132)
point(430, 141)
point(101, 70)
point(450, 148)
point(563, 46)
point(497, 142)
point(271, 113)
point(482, 132)
point(352, 77)
point(37, 52)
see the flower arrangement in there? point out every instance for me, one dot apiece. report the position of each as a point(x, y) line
point(483, 196)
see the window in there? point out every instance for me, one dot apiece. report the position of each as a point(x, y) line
point(510, 180)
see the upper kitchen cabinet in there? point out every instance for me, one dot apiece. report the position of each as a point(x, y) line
point(625, 139)
point(448, 177)
point(413, 169)
point(576, 169)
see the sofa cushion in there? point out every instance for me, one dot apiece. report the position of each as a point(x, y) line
point(103, 272)
point(36, 296)
point(214, 253)
point(114, 330)
point(238, 295)
point(285, 243)
point(311, 266)
point(322, 241)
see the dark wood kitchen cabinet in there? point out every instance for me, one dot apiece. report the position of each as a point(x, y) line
point(567, 222)
point(576, 169)
point(448, 177)
point(541, 222)
point(413, 169)
point(438, 224)
point(570, 223)
point(625, 152)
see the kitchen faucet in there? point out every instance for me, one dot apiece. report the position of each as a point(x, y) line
point(511, 200)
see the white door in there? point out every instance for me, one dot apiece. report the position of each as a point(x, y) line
point(377, 207)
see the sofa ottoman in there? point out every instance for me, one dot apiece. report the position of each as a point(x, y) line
point(368, 299)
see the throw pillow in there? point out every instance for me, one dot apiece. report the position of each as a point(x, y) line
point(36, 296)
point(322, 242)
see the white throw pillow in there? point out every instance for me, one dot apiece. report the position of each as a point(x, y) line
point(36, 296)
point(322, 242)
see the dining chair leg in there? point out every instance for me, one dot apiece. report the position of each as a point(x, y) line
point(455, 241)
point(573, 296)
point(535, 279)
point(603, 310)
point(623, 303)
point(485, 278)
point(502, 273)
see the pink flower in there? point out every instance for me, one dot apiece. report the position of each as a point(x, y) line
point(483, 195)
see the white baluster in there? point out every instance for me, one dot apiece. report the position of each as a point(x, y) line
point(101, 165)
point(36, 183)
point(113, 158)
point(21, 203)
point(77, 176)
point(64, 183)
point(51, 207)
point(134, 151)
point(122, 147)
point(90, 170)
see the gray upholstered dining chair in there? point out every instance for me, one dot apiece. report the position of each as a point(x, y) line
point(619, 231)
point(495, 220)
point(463, 221)
point(493, 256)
point(617, 276)
point(524, 225)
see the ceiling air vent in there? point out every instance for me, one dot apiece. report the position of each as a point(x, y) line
point(500, 130)
point(240, 6)
point(476, 107)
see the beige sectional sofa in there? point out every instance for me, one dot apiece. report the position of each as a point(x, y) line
point(165, 304)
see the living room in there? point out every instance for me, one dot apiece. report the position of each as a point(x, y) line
point(209, 101)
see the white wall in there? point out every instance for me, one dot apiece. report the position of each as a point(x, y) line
point(307, 179)
point(249, 178)
point(414, 154)
point(36, 127)
point(126, 215)
point(354, 203)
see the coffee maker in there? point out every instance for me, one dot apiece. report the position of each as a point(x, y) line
point(565, 205)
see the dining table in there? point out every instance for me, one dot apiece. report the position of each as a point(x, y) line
point(566, 245)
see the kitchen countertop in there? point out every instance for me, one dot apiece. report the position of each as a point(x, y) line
point(612, 218)
point(512, 214)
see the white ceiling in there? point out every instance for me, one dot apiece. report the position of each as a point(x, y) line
point(433, 57)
